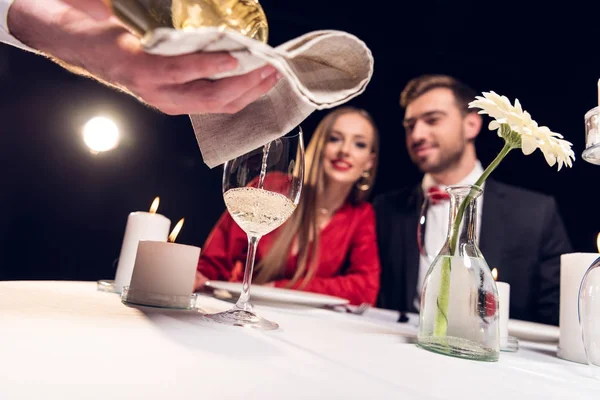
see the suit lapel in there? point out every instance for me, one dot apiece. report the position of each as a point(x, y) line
point(491, 241)
point(411, 252)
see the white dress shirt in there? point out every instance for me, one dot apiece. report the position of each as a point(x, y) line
point(5, 35)
point(437, 224)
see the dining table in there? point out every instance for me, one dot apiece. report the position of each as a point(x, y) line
point(67, 340)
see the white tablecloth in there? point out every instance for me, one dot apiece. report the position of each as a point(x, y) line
point(65, 340)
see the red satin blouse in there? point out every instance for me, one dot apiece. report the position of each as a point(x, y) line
point(348, 257)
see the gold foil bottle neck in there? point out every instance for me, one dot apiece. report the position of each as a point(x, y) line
point(243, 16)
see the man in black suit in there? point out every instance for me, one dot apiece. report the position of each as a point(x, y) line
point(521, 232)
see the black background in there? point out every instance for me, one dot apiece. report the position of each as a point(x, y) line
point(63, 210)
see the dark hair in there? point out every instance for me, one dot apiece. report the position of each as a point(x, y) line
point(417, 87)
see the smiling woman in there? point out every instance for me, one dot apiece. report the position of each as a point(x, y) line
point(348, 154)
point(328, 245)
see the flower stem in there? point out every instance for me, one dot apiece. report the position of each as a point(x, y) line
point(507, 147)
point(441, 319)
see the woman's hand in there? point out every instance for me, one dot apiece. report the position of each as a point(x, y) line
point(199, 281)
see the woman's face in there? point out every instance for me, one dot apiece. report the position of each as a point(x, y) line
point(348, 149)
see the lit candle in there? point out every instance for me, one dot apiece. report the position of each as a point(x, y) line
point(504, 307)
point(572, 268)
point(140, 226)
point(164, 273)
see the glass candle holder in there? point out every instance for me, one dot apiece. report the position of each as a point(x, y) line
point(591, 153)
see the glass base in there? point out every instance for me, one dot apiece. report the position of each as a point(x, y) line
point(458, 347)
point(158, 300)
point(237, 317)
point(592, 154)
point(509, 345)
point(106, 285)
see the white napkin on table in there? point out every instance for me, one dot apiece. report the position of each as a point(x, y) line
point(321, 70)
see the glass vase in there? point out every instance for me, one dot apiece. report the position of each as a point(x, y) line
point(459, 299)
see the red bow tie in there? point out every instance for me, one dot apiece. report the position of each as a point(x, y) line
point(437, 195)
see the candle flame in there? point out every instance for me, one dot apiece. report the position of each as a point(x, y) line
point(176, 230)
point(598, 242)
point(154, 205)
point(495, 273)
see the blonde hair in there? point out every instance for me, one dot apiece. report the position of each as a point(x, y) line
point(302, 225)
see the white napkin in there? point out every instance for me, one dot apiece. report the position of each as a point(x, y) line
point(321, 70)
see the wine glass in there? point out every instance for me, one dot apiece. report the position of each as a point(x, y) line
point(589, 310)
point(589, 291)
point(261, 190)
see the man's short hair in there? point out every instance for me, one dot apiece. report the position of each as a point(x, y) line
point(418, 86)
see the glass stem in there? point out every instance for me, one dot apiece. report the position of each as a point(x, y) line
point(243, 302)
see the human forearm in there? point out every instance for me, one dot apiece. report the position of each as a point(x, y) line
point(67, 35)
point(94, 44)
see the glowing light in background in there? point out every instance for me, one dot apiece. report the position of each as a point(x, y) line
point(100, 134)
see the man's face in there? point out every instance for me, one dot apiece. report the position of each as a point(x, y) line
point(435, 131)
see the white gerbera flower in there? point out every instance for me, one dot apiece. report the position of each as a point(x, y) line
point(555, 149)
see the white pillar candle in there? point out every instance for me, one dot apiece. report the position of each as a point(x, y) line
point(572, 268)
point(503, 311)
point(163, 274)
point(140, 226)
